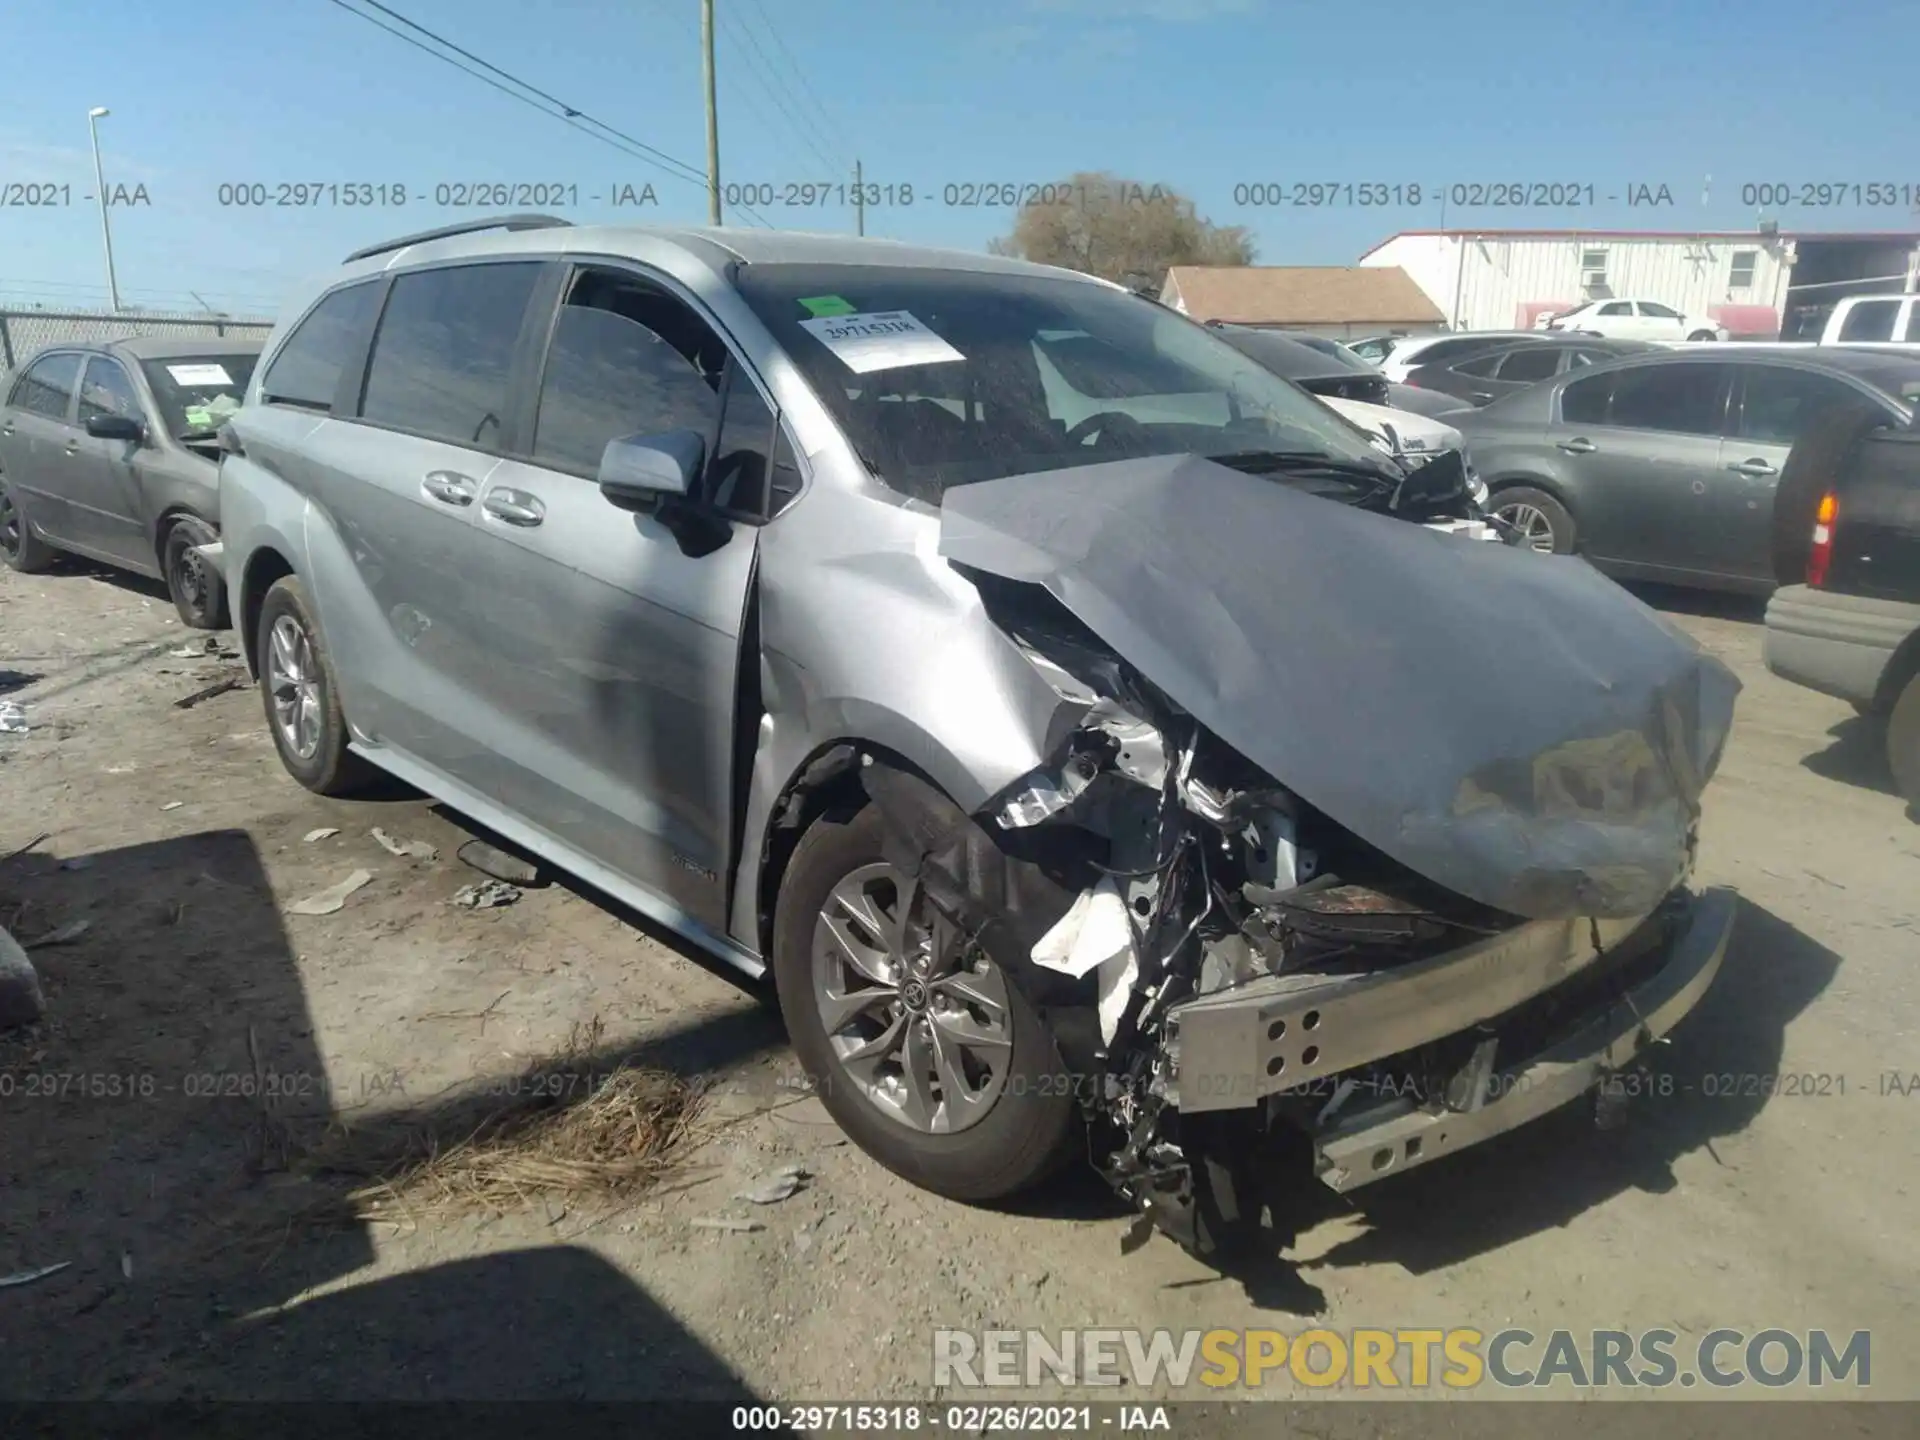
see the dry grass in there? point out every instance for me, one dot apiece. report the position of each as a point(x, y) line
point(561, 1131)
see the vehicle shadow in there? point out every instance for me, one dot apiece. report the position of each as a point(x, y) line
point(153, 1127)
point(140, 585)
point(1857, 756)
point(1710, 604)
point(1719, 1062)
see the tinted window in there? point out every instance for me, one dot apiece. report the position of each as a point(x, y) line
point(1531, 364)
point(1781, 403)
point(1618, 307)
point(1442, 351)
point(1659, 312)
point(1684, 398)
point(1871, 320)
point(107, 391)
point(1479, 365)
point(306, 372)
point(786, 472)
point(1584, 402)
point(1913, 323)
point(737, 479)
point(608, 376)
point(48, 385)
point(444, 349)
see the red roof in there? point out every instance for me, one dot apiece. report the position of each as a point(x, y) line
point(1908, 237)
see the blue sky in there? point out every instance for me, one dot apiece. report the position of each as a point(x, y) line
point(1200, 95)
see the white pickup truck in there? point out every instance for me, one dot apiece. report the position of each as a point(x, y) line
point(1891, 321)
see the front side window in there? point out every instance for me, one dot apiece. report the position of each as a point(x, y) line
point(1584, 402)
point(443, 352)
point(1870, 321)
point(1780, 403)
point(625, 359)
point(306, 370)
point(1687, 399)
point(1618, 307)
point(950, 377)
point(106, 390)
point(48, 386)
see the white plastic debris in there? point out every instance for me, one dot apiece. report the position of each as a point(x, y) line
point(63, 935)
point(13, 717)
point(485, 896)
point(321, 834)
point(405, 849)
point(27, 1277)
point(775, 1186)
point(331, 899)
point(1096, 929)
point(725, 1222)
point(173, 805)
point(1115, 979)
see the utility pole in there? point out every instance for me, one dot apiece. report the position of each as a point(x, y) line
point(859, 202)
point(100, 185)
point(713, 114)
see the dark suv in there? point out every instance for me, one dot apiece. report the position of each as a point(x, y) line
point(1853, 628)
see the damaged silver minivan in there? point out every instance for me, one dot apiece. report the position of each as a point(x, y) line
point(1108, 751)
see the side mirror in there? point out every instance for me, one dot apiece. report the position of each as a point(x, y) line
point(116, 427)
point(637, 472)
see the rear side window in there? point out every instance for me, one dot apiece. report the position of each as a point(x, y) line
point(306, 372)
point(1480, 365)
point(443, 353)
point(1780, 403)
point(1526, 366)
point(1618, 307)
point(1870, 320)
point(48, 385)
point(1584, 402)
point(1688, 399)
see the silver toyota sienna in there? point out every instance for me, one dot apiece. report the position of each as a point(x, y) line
point(1108, 750)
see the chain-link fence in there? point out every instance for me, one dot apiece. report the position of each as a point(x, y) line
point(24, 333)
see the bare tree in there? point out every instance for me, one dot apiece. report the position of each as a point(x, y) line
point(1120, 230)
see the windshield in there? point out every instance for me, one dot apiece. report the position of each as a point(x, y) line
point(197, 393)
point(1345, 354)
point(951, 377)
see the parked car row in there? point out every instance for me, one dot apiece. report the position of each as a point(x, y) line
point(1633, 320)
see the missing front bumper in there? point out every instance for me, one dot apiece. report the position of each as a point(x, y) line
point(1300, 1033)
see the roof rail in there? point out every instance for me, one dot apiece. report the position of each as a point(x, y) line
point(465, 227)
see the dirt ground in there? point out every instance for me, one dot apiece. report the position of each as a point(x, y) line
point(128, 1150)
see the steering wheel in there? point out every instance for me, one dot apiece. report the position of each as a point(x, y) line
point(1111, 425)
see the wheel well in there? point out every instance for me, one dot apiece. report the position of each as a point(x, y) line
point(1900, 671)
point(827, 784)
point(168, 519)
point(1531, 482)
point(263, 568)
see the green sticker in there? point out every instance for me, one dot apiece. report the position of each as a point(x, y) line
point(199, 416)
point(820, 306)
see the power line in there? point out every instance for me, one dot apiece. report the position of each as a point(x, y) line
point(777, 133)
point(831, 131)
point(775, 87)
point(567, 114)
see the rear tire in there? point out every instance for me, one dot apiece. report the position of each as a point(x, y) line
point(1029, 1124)
point(1541, 518)
point(1903, 742)
point(197, 590)
point(23, 550)
point(1703, 335)
point(301, 696)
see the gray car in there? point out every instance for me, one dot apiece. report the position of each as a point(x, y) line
point(1090, 732)
point(1664, 466)
point(108, 451)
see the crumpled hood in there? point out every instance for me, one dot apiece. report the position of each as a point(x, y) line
point(1511, 725)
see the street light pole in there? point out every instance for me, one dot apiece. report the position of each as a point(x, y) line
point(100, 187)
point(713, 113)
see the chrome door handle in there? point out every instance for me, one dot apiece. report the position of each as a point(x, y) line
point(1578, 446)
point(449, 487)
point(515, 507)
point(1753, 469)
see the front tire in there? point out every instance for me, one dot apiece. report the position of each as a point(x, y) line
point(23, 550)
point(301, 695)
point(920, 1043)
point(1903, 742)
point(1703, 335)
point(1541, 519)
point(197, 590)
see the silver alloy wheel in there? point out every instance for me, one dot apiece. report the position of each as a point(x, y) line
point(1531, 523)
point(10, 523)
point(190, 579)
point(294, 683)
point(915, 1013)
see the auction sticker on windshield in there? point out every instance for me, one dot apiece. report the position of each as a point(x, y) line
point(880, 340)
point(199, 374)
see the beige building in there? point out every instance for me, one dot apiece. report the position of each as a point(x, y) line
point(1346, 302)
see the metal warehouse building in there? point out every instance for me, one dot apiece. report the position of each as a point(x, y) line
point(1760, 284)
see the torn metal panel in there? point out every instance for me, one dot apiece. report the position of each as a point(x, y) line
point(1512, 726)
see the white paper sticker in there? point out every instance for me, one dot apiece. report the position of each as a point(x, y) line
point(199, 374)
point(880, 340)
